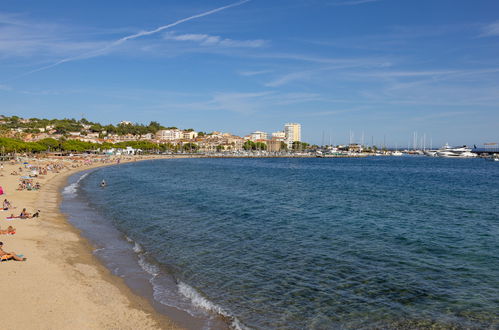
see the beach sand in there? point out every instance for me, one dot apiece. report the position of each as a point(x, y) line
point(61, 285)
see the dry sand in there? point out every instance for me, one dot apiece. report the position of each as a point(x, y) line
point(61, 285)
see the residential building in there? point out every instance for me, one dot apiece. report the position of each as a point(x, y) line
point(258, 135)
point(281, 135)
point(293, 133)
point(169, 134)
point(189, 135)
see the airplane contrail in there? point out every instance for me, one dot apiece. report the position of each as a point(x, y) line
point(131, 37)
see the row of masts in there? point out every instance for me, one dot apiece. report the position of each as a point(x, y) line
point(418, 142)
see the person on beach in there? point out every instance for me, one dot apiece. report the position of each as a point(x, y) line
point(9, 255)
point(6, 205)
point(10, 230)
point(24, 214)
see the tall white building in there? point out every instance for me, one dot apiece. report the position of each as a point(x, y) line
point(293, 133)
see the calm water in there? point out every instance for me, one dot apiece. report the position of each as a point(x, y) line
point(309, 243)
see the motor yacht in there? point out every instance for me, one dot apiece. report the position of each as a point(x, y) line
point(455, 152)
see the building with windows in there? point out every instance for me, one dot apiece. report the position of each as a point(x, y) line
point(258, 135)
point(281, 135)
point(189, 135)
point(292, 132)
point(169, 134)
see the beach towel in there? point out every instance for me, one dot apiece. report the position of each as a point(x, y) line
point(1, 190)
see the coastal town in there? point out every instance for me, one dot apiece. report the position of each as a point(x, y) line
point(66, 133)
point(64, 137)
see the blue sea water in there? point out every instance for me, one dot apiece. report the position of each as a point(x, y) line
point(401, 242)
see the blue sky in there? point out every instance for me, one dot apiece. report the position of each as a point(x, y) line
point(382, 69)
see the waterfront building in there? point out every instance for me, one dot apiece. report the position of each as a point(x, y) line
point(258, 135)
point(293, 133)
point(280, 135)
point(273, 145)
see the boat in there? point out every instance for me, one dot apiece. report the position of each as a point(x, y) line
point(431, 153)
point(455, 152)
point(397, 153)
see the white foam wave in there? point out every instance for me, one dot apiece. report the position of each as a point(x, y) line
point(201, 302)
point(137, 248)
point(82, 177)
point(148, 267)
point(72, 188)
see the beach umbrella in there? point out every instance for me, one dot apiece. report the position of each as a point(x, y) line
point(25, 177)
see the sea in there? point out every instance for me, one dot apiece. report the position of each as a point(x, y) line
point(312, 243)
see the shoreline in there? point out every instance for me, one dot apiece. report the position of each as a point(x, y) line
point(63, 284)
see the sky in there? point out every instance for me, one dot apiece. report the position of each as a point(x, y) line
point(360, 70)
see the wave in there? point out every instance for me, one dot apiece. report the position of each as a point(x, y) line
point(193, 298)
point(199, 301)
point(147, 266)
point(71, 190)
point(137, 248)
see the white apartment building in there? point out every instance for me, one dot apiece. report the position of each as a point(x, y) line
point(293, 133)
point(189, 135)
point(258, 135)
point(169, 134)
point(281, 135)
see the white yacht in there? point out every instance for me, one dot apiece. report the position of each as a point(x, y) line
point(455, 152)
point(431, 153)
point(397, 153)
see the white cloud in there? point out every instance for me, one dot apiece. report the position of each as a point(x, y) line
point(253, 73)
point(212, 40)
point(289, 78)
point(491, 30)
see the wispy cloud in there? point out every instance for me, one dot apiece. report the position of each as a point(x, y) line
point(212, 40)
point(491, 30)
point(447, 114)
point(253, 73)
point(353, 2)
point(104, 50)
point(290, 77)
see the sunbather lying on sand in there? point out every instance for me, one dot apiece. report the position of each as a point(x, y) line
point(10, 230)
point(9, 255)
point(24, 214)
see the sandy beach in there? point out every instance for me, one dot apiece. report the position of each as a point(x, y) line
point(61, 285)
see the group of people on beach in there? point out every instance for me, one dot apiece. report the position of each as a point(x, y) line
point(27, 184)
point(37, 171)
point(9, 231)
